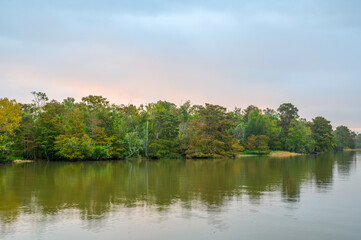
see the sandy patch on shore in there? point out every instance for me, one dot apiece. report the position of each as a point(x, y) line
point(22, 161)
point(284, 154)
point(279, 154)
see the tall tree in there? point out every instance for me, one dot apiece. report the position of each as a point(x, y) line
point(287, 113)
point(258, 144)
point(260, 124)
point(343, 138)
point(209, 135)
point(248, 110)
point(10, 118)
point(49, 126)
point(299, 138)
point(358, 141)
point(133, 130)
point(322, 134)
point(25, 145)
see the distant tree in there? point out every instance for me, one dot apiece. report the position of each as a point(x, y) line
point(239, 132)
point(163, 138)
point(271, 113)
point(358, 141)
point(258, 144)
point(185, 115)
point(248, 110)
point(39, 101)
point(260, 124)
point(299, 138)
point(209, 135)
point(10, 118)
point(287, 113)
point(95, 102)
point(75, 148)
point(132, 127)
point(343, 138)
point(96, 113)
point(25, 135)
point(322, 134)
point(96, 129)
point(49, 126)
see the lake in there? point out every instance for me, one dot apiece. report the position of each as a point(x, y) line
point(304, 197)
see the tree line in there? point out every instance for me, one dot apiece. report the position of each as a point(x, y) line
point(96, 129)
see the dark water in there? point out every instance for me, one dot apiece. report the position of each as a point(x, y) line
point(307, 197)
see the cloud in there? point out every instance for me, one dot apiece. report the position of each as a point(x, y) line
point(232, 53)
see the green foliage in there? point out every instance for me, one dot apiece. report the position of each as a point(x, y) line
point(134, 143)
point(260, 124)
point(287, 113)
point(39, 101)
point(96, 129)
point(248, 110)
point(49, 125)
point(299, 138)
point(10, 118)
point(75, 148)
point(24, 143)
point(163, 148)
point(322, 134)
point(101, 152)
point(358, 141)
point(343, 138)
point(164, 129)
point(258, 144)
point(208, 134)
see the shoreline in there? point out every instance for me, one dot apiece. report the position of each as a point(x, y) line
point(274, 154)
point(278, 154)
point(16, 161)
point(352, 150)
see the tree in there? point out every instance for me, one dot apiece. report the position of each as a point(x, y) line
point(259, 124)
point(343, 138)
point(95, 102)
point(322, 134)
point(49, 126)
point(10, 118)
point(287, 113)
point(271, 113)
point(258, 144)
point(185, 115)
point(96, 111)
point(25, 135)
point(39, 101)
point(358, 141)
point(75, 148)
point(66, 130)
point(163, 137)
point(248, 110)
point(299, 138)
point(208, 134)
point(132, 128)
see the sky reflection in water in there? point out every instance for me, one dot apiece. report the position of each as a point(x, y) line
point(312, 197)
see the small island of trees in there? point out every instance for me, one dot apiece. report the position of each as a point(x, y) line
point(95, 129)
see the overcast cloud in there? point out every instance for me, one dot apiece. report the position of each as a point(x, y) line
point(231, 53)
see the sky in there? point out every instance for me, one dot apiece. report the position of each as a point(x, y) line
point(228, 52)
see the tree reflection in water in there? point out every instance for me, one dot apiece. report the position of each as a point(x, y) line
point(97, 188)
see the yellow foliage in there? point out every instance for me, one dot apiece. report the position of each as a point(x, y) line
point(10, 117)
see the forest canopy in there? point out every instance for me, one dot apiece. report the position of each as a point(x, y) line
point(95, 129)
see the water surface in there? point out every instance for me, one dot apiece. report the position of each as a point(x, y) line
point(306, 197)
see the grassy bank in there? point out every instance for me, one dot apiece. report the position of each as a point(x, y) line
point(15, 160)
point(352, 150)
point(270, 154)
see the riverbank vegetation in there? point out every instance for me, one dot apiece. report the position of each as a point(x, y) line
point(94, 129)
